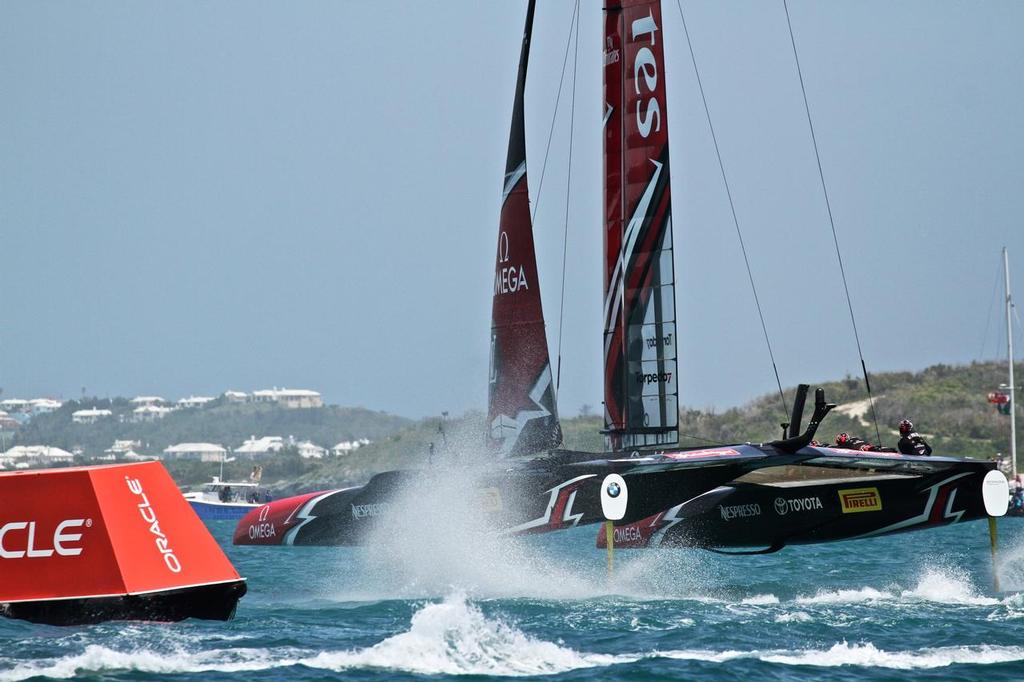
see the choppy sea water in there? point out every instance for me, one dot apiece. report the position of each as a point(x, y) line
point(544, 606)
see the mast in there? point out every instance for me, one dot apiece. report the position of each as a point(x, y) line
point(641, 394)
point(521, 410)
point(1009, 346)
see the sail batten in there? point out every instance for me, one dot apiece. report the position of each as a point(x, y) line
point(521, 413)
point(641, 377)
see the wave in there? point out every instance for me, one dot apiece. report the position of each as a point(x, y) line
point(867, 655)
point(451, 637)
point(863, 655)
point(96, 658)
point(456, 638)
point(940, 586)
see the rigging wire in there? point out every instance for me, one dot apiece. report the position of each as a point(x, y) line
point(554, 114)
point(732, 207)
point(991, 306)
point(831, 220)
point(568, 184)
point(703, 439)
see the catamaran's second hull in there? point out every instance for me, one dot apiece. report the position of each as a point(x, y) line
point(766, 517)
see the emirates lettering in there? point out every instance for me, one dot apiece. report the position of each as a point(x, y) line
point(18, 540)
point(647, 67)
point(148, 515)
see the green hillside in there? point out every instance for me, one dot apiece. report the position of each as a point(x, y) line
point(947, 403)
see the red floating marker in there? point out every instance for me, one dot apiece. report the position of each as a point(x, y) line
point(118, 542)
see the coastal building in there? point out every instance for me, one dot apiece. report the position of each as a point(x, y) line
point(142, 400)
point(122, 447)
point(194, 401)
point(203, 452)
point(149, 413)
point(13, 405)
point(310, 450)
point(43, 405)
point(236, 396)
point(38, 455)
point(293, 398)
point(346, 447)
point(259, 448)
point(132, 456)
point(7, 422)
point(89, 416)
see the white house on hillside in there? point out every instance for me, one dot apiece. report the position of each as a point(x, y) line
point(294, 398)
point(194, 401)
point(39, 454)
point(90, 416)
point(14, 405)
point(204, 452)
point(43, 405)
point(236, 396)
point(147, 400)
point(310, 450)
point(260, 447)
point(148, 413)
point(348, 446)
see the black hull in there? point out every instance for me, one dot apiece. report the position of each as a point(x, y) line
point(769, 517)
point(208, 602)
point(675, 499)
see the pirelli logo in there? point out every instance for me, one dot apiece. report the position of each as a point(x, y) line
point(860, 500)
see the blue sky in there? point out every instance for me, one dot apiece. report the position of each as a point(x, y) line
point(202, 196)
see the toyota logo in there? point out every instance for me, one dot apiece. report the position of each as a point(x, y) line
point(780, 506)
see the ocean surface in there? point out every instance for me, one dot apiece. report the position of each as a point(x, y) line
point(456, 606)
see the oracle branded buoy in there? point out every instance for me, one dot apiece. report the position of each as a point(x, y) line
point(116, 542)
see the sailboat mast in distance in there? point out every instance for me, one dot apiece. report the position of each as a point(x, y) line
point(641, 378)
point(1009, 351)
point(521, 402)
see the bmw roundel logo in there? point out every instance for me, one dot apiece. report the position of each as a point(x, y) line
point(613, 489)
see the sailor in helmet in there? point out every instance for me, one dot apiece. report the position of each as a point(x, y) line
point(848, 442)
point(911, 442)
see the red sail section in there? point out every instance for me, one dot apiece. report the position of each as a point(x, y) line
point(641, 395)
point(521, 406)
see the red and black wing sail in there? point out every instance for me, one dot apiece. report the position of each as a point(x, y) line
point(641, 394)
point(521, 407)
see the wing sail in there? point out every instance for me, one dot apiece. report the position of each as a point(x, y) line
point(521, 411)
point(641, 377)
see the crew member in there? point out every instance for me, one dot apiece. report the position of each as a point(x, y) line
point(911, 442)
point(848, 442)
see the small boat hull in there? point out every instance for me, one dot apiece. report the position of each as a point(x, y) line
point(213, 511)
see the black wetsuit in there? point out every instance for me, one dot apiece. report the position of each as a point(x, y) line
point(852, 443)
point(913, 444)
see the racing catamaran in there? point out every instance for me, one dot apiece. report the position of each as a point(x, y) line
point(713, 497)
